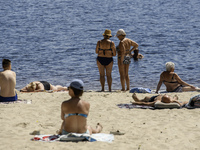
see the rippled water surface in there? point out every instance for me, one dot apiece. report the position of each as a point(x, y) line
point(56, 40)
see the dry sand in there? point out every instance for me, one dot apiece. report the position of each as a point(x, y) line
point(145, 129)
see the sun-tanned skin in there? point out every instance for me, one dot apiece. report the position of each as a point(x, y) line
point(172, 81)
point(7, 82)
point(125, 50)
point(40, 87)
point(105, 43)
point(76, 124)
point(162, 98)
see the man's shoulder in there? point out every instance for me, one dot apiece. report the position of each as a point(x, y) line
point(13, 71)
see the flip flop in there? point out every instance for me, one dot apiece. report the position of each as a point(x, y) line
point(116, 132)
point(35, 132)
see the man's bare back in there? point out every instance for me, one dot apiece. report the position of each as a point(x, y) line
point(7, 83)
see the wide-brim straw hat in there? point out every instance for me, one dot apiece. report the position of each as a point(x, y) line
point(107, 32)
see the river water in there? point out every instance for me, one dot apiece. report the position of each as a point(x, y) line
point(55, 40)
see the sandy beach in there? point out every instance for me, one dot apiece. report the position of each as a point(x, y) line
point(144, 129)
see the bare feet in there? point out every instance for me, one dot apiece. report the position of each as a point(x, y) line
point(134, 96)
point(99, 128)
point(59, 132)
point(175, 97)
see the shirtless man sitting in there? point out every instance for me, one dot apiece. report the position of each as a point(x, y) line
point(7, 82)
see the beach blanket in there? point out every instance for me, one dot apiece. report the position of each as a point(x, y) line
point(74, 137)
point(18, 101)
point(158, 105)
point(131, 106)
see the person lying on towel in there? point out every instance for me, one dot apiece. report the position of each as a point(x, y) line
point(150, 101)
point(40, 86)
point(7, 82)
point(74, 112)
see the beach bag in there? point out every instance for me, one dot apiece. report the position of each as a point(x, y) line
point(140, 90)
point(127, 59)
point(194, 102)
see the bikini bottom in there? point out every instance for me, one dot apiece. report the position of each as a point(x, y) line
point(152, 99)
point(105, 60)
point(178, 89)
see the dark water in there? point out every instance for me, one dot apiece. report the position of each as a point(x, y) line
point(55, 40)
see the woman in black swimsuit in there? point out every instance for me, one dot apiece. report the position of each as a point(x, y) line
point(106, 50)
point(39, 86)
point(172, 81)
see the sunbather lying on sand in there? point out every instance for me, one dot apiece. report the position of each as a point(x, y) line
point(40, 86)
point(150, 101)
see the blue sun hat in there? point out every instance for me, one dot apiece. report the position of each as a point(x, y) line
point(77, 84)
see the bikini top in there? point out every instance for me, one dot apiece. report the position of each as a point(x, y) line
point(75, 114)
point(171, 80)
point(104, 50)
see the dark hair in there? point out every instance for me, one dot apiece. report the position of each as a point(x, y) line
point(136, 51)
point(107, 37)
point(6, 63)
point(77, 92)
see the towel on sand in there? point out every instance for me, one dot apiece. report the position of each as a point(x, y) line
point(157, 105)
point(74, 137)
point(131, 106)
point(18, 101)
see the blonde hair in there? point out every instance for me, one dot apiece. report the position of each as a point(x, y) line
point(169, 66)
point(31, 86)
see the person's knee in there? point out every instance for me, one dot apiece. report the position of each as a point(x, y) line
point(121, 73)
point(126, 77)
point(102, 76)
point(108, 75)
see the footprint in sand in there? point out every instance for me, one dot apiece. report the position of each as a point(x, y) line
point(23, 124)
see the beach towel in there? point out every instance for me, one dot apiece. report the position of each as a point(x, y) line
point(157, 105)
point(140, 90)
point(131, 106)
point(74, 137)
point(18, 101)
